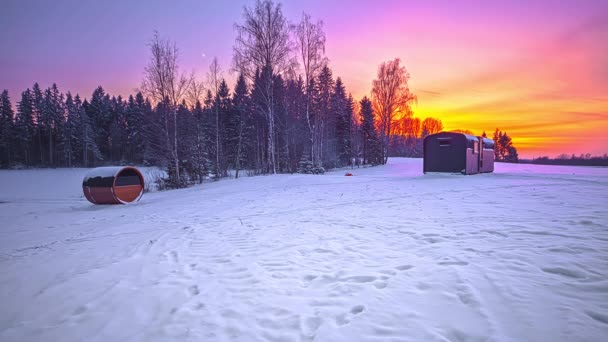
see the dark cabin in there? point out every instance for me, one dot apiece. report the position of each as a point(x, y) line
point(458, 153)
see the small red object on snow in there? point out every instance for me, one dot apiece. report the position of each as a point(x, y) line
point(348, 174)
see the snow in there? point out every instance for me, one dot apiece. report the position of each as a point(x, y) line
point(386, 255)
point(105, 171)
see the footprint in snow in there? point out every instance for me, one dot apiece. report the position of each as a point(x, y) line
point(345, 318)
point(380, 285)
point(193, 290)
point(312, 324)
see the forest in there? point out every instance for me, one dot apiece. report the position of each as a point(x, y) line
point(286, 113)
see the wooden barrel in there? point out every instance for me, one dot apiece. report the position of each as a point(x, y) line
point(113, 185)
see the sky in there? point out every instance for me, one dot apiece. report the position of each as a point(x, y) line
point(535, 69)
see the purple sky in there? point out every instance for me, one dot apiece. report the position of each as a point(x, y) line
point(533, 68)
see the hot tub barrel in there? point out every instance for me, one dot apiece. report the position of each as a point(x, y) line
point(113, 185)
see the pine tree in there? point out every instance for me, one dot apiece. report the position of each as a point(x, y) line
point(7, 133)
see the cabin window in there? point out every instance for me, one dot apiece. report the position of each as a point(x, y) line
point(444, 142)
point(476, 147)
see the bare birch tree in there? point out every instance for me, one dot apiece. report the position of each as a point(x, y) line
point(262, 45)
point(391, 96)
point(214, 77)
point(310, 43)
point(195, 93)
point(163, 82)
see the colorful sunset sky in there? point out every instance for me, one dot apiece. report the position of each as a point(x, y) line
point(535, 69)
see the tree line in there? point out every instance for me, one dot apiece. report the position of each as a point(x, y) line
point(564, 159)
point(287, 112)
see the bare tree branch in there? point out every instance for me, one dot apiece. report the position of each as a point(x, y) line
point(391, 97)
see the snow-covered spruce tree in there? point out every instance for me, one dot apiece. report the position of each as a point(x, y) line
point(281, 133)
point(340, 109)
point(200, 157)
point(349, 149)
point(305, 164)
point(70, 138)
point(324, 120)
point(7, 132)
point(90, 150)
point(297, 128)
point(135, 117)
point(186, 128)
point(53, 116)
point(118, 130)
point(99, 111)
point(38, 101)
point(223, 109)
point(25, 128)
point(208, 129)
point(372, 149)
point(155, 148)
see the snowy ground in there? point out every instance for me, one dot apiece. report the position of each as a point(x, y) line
point(387, 255)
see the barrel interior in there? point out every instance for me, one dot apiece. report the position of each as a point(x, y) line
point(128, 185)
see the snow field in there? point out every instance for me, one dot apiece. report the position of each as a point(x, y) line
point(386, 255)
